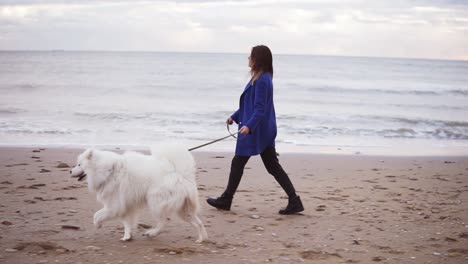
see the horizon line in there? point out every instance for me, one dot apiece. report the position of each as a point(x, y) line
point(227, 52)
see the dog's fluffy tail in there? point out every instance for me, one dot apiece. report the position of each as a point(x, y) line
point(178, 155)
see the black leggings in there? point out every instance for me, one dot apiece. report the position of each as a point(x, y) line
point(271, 164)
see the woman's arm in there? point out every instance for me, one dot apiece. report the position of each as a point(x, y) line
point(261, 92)
point(235, 117)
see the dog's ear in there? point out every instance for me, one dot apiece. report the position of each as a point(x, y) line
point(89, 154)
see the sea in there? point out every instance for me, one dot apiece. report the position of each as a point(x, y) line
point(324, 104)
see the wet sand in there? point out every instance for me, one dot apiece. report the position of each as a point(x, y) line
point(359, 209)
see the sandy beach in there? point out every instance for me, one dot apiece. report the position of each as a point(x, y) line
point(359, 209)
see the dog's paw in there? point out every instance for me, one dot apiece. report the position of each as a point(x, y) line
point(151, 233)
point(97, 224)
point(199, 241)
point(126, 239)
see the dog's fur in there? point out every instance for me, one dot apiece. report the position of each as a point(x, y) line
point(163, 182)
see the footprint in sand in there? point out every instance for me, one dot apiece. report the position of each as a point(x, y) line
point(65, 198)
point(180, 250)
point(320, 208)
point(34, 186)
point(319, 255)
point(62, 165)
point(18, 164)
point(40, 247)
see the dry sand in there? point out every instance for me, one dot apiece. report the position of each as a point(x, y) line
point(359, 209)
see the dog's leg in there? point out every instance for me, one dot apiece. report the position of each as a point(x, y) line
point(155, 231)
point(198, 224)
point(101, 216)
point(188, 213)
point(127, 230)
point(129, 223)
point(160, 208)
point(195, 221)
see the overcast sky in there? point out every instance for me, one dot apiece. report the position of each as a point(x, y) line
point(397, 28)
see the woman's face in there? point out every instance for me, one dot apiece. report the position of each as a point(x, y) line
point(251, 63)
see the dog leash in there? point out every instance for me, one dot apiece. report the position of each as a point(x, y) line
point(216, 140)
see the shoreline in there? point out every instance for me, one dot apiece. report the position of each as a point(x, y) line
point(282, 149)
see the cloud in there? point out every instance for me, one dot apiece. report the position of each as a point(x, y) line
point(401, 28)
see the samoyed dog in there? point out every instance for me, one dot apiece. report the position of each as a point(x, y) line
point(163, 182)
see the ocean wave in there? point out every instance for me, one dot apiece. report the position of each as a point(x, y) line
point(25, 87)
point(418, 121)
point(446, 134)
point(404, 132)
point(11, 111)
point(344, 90)
point(43, 131)
point(112, 116)
point(156, 118)
point(459, 92)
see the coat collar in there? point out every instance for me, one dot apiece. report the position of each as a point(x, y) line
point(249, 84)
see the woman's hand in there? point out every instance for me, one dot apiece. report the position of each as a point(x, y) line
point(244, 130)
point(229, 121)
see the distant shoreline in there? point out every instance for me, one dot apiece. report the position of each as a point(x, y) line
point(281, 149)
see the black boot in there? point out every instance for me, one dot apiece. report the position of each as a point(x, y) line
point(294, 206)
point(223, 202)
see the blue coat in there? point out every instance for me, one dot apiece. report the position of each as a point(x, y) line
point(257, 112)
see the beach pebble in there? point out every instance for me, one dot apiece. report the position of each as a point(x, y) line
point(92, 248)
point(44, 170)
point(259, 228)
point(436, 254)
point(254, 216)
point(11, 250)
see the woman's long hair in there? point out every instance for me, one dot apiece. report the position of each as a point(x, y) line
point(262, 60)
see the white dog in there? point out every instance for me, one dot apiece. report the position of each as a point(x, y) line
point(163, 182)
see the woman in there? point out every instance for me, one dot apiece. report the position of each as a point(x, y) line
point(257, 122)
